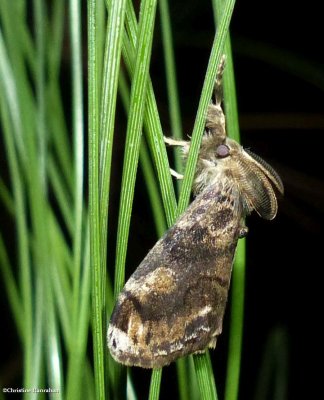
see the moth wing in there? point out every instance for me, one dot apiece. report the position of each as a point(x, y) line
point(174, 302)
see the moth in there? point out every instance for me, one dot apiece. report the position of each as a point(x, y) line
point(173, 304)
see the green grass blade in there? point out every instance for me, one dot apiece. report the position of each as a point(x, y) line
point(236, 324)
point(152, 123)
point(12, 127)
point(203, 367)
point(230, 103)
point(205, 376)
point(215, 55)
point(6, 198)
point(77, 347)
point(61, 193)
point(53, 348)
point(12, 289)
point(176, 132)
point(39, 19)
point(155, 384)
point(133, 135)
point(183, 378)
point(111, 64)
point(153, 190)
point(59, 135)
point(130, 390)
point(171, 80)
point(155, 140)
point(94, 221)
point(61, 274)
point(114, 36)
point(78, 146)
point(238, 274)
point(30, 87)
point(147, 168)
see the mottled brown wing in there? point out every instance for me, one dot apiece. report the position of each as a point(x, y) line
point(174, 303)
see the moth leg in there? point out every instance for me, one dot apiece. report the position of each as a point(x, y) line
point(176, 174)
point(212, 343)
point(175, 142)
point(185, 149)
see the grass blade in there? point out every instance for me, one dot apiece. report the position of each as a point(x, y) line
point(133, 135)
point(79, 327)
point(171, 79)
point(205, 376)
point(238, 274)
point(215, 56)
point(94, 221)
point(152, 124)
point(115, 28)
point(155, 384)
point(236, 324)
point(12, 128)
point(203, 367)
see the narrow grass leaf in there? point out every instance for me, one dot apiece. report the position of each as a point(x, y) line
point(206, 94)
point(133, 134)
point(152, 123)
point(11, 289)
point(236, 324)
point(147, 168)
point(238, 274)
point(94, 221)
point(205, 376)
point(77, 347)
point(171, 80)
point(183, 378)
point(204, 370)
point(109, 80)
point(114, 36)
point(12, 127)
point(155, 384)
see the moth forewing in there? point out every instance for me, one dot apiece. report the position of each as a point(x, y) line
point(173, 304)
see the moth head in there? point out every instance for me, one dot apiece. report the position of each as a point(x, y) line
point(222, 160)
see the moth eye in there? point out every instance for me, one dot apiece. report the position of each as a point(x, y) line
point(222, 151)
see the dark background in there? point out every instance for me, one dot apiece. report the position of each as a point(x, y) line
point(278, 61)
